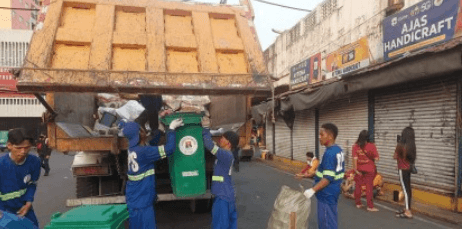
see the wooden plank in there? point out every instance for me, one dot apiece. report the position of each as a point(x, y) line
point(40, 51)
point(89, 144)
point(101, 47)
point(252, 48)
point(129, 39)
point(155, 39)
point(68, 35)
point(206, 51)
point(293, 220)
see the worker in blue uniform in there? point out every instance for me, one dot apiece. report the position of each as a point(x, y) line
point(19, 172)
point(141, 185)
point(224, 210)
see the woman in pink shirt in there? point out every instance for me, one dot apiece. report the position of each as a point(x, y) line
point(405, 154)
point(364, 155)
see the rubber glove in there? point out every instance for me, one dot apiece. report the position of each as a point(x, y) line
point(176, 123)
point(309, 193)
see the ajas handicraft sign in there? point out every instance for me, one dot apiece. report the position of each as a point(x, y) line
point(426, 23)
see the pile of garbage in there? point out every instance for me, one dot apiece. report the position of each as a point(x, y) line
point(144, 109)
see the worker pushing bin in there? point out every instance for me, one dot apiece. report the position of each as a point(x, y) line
point(187, 166)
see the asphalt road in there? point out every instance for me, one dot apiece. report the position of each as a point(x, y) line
point(257, 188)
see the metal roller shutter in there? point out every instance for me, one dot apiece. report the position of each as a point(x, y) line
point(269, 136)
point(431, 111)
point(350, 115)
point(283, 144)
point(303, 134)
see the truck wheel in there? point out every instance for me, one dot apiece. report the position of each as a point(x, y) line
point(87, 187)
point(201, 205)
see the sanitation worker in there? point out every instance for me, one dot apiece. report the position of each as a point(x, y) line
point(141, 185)
point(224, 210)
point(328, 178)
point(19, 172)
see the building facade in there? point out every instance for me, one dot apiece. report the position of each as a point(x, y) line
point(22, 15)
point(376, 65)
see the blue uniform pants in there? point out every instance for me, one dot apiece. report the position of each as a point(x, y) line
point(30, 215)
point(327, 216)
point(142, 218)
point(224, 214)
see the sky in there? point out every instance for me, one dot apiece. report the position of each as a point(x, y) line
point(269, 17)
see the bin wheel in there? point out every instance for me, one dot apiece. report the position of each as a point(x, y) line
point(201, 205)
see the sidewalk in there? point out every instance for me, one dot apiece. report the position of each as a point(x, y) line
point(428, 210)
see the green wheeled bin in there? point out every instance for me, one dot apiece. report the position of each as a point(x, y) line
point(91, 216)
point(187, 166)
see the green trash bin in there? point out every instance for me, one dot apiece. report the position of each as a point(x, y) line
point(187, 164)
point(91, 216)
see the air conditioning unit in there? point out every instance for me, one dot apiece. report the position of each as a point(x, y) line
point(394, 6)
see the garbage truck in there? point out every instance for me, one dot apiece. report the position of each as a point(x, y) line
point(131, 50)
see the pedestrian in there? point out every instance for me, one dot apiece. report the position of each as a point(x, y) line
point(44, 153)
point(310, 169)
point(224, 210)
point(364, 156)
point(19, 173)
point(405, 154)
point(140, 187)
point(328, 178)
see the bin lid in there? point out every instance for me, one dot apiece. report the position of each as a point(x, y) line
point(188, 118)
point(89, 215)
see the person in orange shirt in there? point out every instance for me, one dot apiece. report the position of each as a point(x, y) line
point(310, 169)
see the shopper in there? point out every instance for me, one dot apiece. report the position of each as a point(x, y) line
point(364, 156)
point(44, 153)
point(405, 154)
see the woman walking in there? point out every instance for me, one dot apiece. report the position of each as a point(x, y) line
point(405, 155)
point(364, 155)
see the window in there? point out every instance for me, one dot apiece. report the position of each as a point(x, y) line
point(26, 5)
point(21, 19)
point(13, 13)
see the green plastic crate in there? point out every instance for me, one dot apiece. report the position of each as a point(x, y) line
point(91, 216)
point(187, 166)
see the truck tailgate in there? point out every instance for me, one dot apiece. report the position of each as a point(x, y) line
point(144, 47)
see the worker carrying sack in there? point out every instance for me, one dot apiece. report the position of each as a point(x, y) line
point(291, 207)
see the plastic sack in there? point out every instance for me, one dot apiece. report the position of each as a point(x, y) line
point(290, 200)
point(130, 110)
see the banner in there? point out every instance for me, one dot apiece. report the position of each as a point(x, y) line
point(426, 23)
point(348, 59)
point(300, 74)
point(315, 62)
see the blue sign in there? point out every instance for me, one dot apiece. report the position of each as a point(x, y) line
point(300, 74)
point(426, 23)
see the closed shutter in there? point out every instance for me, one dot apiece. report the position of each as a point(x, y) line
point(431, 110)
point(303, 134)
point(283, 144)
point(350, 115)
point(269, 136)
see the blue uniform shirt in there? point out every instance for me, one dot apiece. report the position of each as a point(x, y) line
point(18, 182)
point(331, 168)
point(222, 184)
point(141, 184)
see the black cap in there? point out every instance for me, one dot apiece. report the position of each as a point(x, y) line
point(18, 135)
point(232, 137)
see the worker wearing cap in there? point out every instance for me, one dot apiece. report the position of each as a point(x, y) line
point(141, 185)
point(19, 172)
point(224, 211)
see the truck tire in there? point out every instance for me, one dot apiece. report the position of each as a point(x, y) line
point(87, 187)
point(201, 205)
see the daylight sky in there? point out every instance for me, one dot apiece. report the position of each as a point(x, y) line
point(269, 17)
